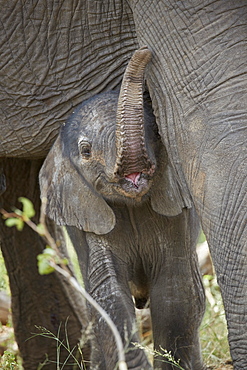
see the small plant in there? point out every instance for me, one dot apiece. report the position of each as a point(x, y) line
point(163, 354)
point(47, 257)
point(74, 358)
point(18, 217)
point(8, 361)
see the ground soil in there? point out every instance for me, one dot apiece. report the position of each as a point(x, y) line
point(224, 367)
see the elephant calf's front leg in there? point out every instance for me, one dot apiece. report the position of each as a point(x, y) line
point(102, 282)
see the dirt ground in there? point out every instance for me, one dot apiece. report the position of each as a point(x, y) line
point(223, 367)
point(7, 341)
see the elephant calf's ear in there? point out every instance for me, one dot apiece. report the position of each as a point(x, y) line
point(166, 196)
point(70, 200)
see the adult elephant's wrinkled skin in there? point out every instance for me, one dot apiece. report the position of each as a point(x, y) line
point(55, 55)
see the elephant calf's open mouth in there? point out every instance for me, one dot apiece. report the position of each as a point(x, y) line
point(135, 185)
point(134, 178)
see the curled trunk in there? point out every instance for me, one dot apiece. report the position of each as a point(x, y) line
point(131, 151)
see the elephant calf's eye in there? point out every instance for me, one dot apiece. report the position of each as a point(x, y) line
point(85, 149)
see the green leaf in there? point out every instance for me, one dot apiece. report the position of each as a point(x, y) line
point(11, 222)
point(44, 260)
point(28, 209)
point(15, 222)
point(49, 255)
point(44, 267)
point(44, 264)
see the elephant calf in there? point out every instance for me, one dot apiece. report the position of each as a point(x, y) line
point(108, 179)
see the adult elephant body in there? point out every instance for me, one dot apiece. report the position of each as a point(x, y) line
point(57, 55)
point(198, 86)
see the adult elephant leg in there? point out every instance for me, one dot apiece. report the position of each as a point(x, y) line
point(106, 280)
point(198, 85)
point(177, 296)
point(223, 212)
point(43, 301)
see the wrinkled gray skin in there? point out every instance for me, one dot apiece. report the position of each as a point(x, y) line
point(53, 56)
point(127, 240)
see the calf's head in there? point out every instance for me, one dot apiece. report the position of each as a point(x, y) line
point(108, 152)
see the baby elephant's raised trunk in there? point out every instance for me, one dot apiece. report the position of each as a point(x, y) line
point(132, 158)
